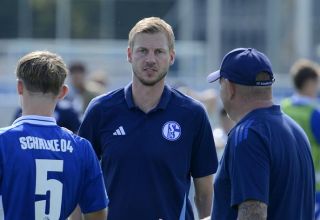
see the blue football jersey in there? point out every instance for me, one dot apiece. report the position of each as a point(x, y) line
point(46, 171)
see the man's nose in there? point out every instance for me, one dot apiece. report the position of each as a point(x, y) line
point(151, 57)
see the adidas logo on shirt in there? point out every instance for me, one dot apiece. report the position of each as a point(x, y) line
point(119, 131)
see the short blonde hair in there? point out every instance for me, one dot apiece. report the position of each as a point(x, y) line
point(152, 25)
point(42, 71)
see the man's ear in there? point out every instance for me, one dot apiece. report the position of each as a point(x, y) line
point(172, 57)
point(231, 87)
point(63, 92)
point(129, 54)
point(20, 86)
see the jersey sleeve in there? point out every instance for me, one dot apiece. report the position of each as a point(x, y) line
point(249, 167)
point(94, 196)
point(89, 127)
point(204, 159)
point(315, 124)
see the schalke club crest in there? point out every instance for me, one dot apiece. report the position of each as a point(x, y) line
point(171, 130)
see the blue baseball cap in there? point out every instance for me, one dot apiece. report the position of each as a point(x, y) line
point(242, 65)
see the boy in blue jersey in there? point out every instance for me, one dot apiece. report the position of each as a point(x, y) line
point(151, 138)
point(266, 171)
point(46, 170)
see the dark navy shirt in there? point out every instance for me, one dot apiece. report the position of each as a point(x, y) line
point(268, 159)
point(45, 171)
point(148, 159)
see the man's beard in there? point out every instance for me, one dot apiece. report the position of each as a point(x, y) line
point(153, 82)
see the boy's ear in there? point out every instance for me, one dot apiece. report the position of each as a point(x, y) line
point(20, 86)
point(63, 92)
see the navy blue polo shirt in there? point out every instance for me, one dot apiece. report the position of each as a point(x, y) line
point(268, 159)
point(148, 158)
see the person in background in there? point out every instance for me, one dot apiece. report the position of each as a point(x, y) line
point(46, 170)
point(266, 171)
point(64, 113)
point(304, 108)
point(80, 95)
point(207, 97)
point(152, 139)
point(98, 82)
point(220, 133)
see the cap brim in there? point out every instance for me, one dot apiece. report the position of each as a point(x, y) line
point(212, 77)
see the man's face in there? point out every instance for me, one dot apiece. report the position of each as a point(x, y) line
point(150, 58)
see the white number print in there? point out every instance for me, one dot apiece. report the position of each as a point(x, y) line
point(43, 184)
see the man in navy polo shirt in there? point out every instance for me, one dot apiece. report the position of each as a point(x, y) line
point(46, 170)
point(151, 138)
point(267, 170)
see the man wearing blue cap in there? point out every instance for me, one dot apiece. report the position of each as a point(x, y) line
point(266, 171)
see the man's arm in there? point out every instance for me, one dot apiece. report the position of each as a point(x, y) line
point(99, 215)
point(76, 214)
point(253, 210)
point(203, 195)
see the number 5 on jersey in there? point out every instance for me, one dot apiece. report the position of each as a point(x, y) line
point(43, 184)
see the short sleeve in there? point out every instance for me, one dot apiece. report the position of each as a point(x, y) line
point(94, 196)
point(249, 167)
point(204, 159)
point(89, 127)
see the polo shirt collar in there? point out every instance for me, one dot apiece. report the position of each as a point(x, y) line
point(164, 100)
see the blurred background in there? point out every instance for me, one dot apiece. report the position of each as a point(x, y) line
point(94, 32)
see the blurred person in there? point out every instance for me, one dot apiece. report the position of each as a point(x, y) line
point(303, 106)
point(220, 133)
point(46, 170)
point(98, 83)
point(64, 113)
point(151, 138)
point(225, 122)
point(80, 94)
point(207, 97)
point(266, 171)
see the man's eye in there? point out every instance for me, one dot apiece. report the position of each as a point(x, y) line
point(159, 51)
